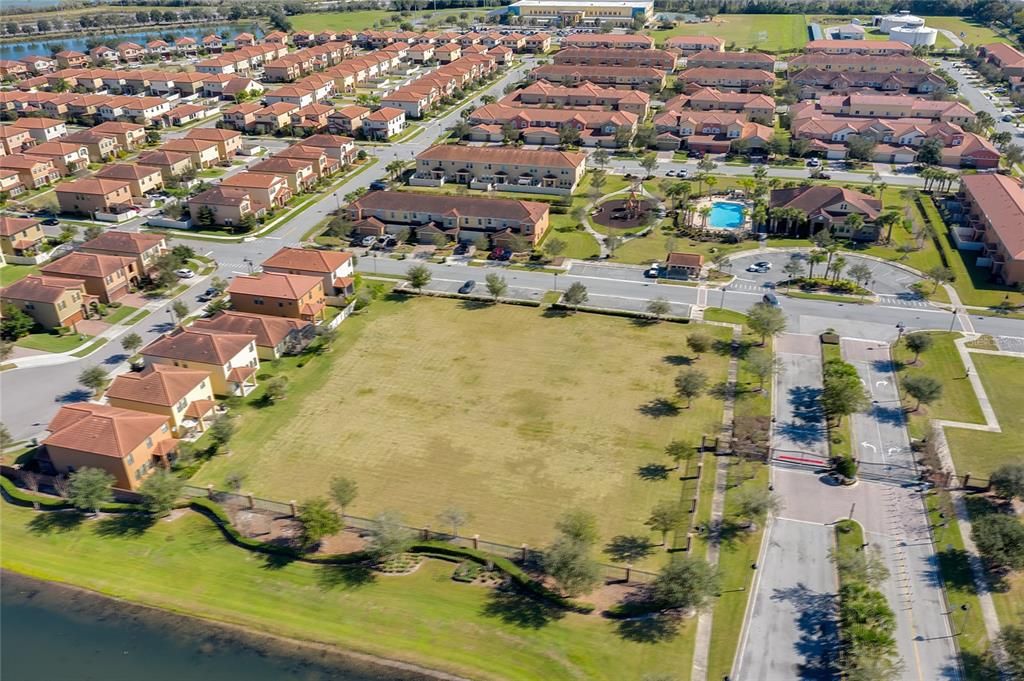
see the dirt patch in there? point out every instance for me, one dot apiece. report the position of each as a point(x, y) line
point(343, 542)
point(609, 595)
point(622, 213)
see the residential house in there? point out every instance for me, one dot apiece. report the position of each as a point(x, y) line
point(10, 182)
point(183, 114)
point(502, 168)
point(280, 295)
point(130, 136)
point(290, 94)
point(141, 179)
point(542, 126)
point(584, 95)
point(70, 59)
point(340, 148)
point(822, 207)
point(272, 118)
point(412, 101)
point(712, 132)
point(67, 157)
point(756, 107)
point(184, 397)
point(143, 247)
point(992, 210)
point(334, 268)
point(204, 153)
point(128, 444)
point(42, 129)
point(1007, 58)
point(108, 277)
point(301, 174)
point(229, 358)
point(504, 222)
point(270, 191)
point(20, 236)
point(91, 195)
point(171, 164)
point(224, 206)
point(53, 302)
point(14, 140)
point(241, 116)
point(100, 145)
point(448, 53)
point(383, 123)
point(228, 141)
point(537, 43)
point(101, 54)
point(130, 52)
point(33, 171)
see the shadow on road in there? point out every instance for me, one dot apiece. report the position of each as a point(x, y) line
point(819, 633)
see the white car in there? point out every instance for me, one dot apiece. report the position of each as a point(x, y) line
point(185, 273)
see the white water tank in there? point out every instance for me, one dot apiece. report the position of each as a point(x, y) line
point(902, 19)
point(914, 35)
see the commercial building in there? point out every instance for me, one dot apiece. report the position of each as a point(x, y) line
point(581, 12)
point(824, 208)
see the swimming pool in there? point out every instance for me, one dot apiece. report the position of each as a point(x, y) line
point(726, 215)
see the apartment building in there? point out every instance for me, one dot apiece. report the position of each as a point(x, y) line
point(611, 76)
point(634, 57)
point(759, 108)
point(715, 59)
point(500, 168)
point(741, 80)
point(543, 93)
point(992, 223)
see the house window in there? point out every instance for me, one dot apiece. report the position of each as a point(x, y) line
point(129, 459)
point(149, 442)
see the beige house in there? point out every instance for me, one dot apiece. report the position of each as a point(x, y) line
point(141, 179)
point(108, 277)
point(128, 444)
point(20, 236)
point(183, 396)
point(33, 171)
point(505, 168)
point(228, 141)
point(101, 146)
point(51, 301)
point(91, 195)
point(171, 164)
point(229, 358)
point(299, 173)
point(270, 191)
point(228, 205)
point(67, 157)
point(275, 336)
point(204, 154)
point(144, 247)
point(334, 268)
point(281, 295)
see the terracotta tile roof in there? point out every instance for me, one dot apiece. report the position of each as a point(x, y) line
point(200, 408)
point(274, 285)
point(80, 264)
point(307, 260)
point(815, 199)
point(853, 45)
point(324, 141)
point(269, 331)
point(558, 71)
point(606, 39)
point(10, 226)
point(36, 123)
point(685, 259)
point(96, 186)
point(160, 384)
point(247, 180)
point(465, 206)
point(188, 145)
point(41, 289)
point(735, 57)
point(221, 196)
point(212, 134)
point(707, 73)
point(125, 171)
point(385, 114)
point(1001, 200)
point(510, 155)
point(161, 158)
point(203, 347)
point(1008, 55)
point(684, 40)
point(119, 126)
point(130, 243)
point(819, 59)
point(501, 113)
point(239, 374)
point(101, 429)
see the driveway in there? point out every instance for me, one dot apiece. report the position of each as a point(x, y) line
point(880, 441)
point(799, 435)
point(977, 100)
point(792, 631)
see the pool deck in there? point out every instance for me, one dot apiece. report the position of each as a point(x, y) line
point(744, 224)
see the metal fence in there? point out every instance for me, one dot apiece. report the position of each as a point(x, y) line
point(522, 554)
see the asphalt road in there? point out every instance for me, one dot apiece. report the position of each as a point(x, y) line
point(799, 435)
point(978, 101)
point(791, 632)
point(880, 440)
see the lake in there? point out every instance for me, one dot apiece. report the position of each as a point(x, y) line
point(81, 42)
point(55, 632)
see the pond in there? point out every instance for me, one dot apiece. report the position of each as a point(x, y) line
point(82, 42)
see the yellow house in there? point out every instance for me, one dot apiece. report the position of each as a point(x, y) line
point(51, 301)
point(19, 235)
point(141, 179)
point(229, 358)
point(128, 444)
point(183, 396)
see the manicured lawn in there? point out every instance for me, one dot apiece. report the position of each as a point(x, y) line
point(980, 453)
point(50, 342)
point(512, 415)
point(942, 362)
point(976, 34)
point(720, 314)
point(424, 618)
point(769, 32)
point(91, 347)
point(12, 273)
point(119, 314)
point(579, 245)
point(358, 21)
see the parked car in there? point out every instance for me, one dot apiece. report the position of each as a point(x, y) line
point(683, 172)
point(368, 241)
point(208, 294)
point(770, 299)
point(185, 273)
point(378, 186)
point(467, 287)
point(501, 254)
point(653, 271)
point(50, 222)
point(760, 267)
point(813, 163)
point(1007, 118)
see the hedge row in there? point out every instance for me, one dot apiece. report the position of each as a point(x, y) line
point(23, 497)
point(611, 312)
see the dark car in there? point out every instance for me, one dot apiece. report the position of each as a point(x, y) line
point(501, 254)
point(209, 294)
point(50, 222)
point(467, 287)
point(770, 299)
point(378, 186)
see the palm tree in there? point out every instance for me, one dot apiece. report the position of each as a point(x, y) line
point(705, 211)
point(816, 257)
point(882, 186)
point(711, 181)
point(854, 222)
point(838, 265)
point(759, 215)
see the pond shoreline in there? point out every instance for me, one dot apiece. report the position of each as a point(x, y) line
point(213, 635)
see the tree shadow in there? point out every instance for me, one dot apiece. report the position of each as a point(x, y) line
point(116, 359)
point(802, 433)
point(720, 391)
point(520, 609)
point(889, 415)
point(76, 395)
point(470, 304)
point(887, 365)
point(659, 407)
point(628, 548)
point(806, 403)
point(677, 360)
point(819, 632)
point(556, 313)
point(976, 666)
point(52, 522)
point(277, 561)
point(644, 322)
point(132, 524)
point(653, 628)
point(653, 472)
point(332, 576)
point(727, 347)
point(724, 532)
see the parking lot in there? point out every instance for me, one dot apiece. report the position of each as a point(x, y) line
point(887, 279)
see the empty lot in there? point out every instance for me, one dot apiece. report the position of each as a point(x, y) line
point(500, 410)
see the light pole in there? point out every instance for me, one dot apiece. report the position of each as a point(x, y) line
point(248, 264)
point(900, 327)
point(952, 322)
point(556, 281)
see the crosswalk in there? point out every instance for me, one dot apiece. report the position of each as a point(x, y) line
point(902, 301)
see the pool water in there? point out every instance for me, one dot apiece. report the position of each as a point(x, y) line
point(726, 215)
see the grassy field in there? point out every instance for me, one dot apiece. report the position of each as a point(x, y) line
point(579, 245)
point(423, 618)
point(356, 21)
point(771, 32)
point(12, 273)
point(506, 412)
point(981, 453)
point(974, 34)
point(942, 362)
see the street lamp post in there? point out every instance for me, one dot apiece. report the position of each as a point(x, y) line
point(248, 264)
point(900, 327)
point(952, 322)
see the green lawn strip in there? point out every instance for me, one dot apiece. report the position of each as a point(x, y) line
point(735, 557)
point(88, 349)
point(119, 314)
point(316, 229)
point(852, 300)
point(839, 437)
point(721, 314)
point(415, 618)
point(12, 273)
point(980, 453)
point(136, 318)
point(560, 432)
point(955, 570)
point(942, 362)
point(51, 342)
